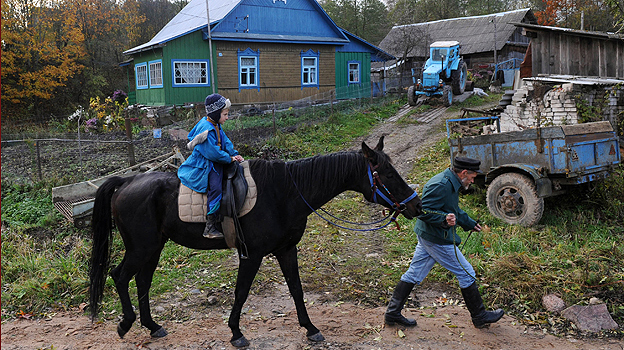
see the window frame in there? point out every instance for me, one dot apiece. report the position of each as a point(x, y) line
point(173, 73)
point(144, 75)
point(154, 63)
point(359, 72)
point(249, 53)
point(305, 69)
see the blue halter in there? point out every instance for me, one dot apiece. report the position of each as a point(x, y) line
point(396, 206)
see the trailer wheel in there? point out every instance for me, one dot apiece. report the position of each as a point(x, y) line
point(513, 198)
point(412, 99)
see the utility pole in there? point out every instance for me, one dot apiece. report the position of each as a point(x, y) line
point(212, 81)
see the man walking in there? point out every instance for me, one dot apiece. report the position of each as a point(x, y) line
point(438, 242)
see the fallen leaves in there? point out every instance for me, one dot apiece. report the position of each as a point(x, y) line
point(23, 315)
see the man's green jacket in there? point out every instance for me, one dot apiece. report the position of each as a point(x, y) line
point(441, 197)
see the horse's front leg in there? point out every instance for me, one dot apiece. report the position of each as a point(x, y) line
point(287, 259)
point(247, 270)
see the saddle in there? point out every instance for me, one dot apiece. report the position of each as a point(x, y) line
point(239, 197)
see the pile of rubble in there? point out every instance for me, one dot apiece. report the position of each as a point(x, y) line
point(537, 104)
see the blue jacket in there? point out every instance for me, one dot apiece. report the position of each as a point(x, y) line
point(440, 197)
point(193, 173)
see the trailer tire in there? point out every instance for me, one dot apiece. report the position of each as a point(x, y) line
point(412, 99)
point(513, 198)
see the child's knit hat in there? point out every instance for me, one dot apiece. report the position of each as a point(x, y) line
point(214, 104)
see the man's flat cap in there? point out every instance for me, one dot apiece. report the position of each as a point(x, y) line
point(466, 163)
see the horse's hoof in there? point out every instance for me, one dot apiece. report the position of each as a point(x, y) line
point(318, 337)
point(240, 342)
point(159, 333)
point(121, 331)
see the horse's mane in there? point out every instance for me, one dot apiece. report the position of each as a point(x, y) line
point(320, 172)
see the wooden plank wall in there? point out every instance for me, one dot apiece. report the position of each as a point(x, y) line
point(570, 54)
point(279, 72)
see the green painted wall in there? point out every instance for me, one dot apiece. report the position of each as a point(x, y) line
point(190, 46)
point(345, 90)
point(149, 97)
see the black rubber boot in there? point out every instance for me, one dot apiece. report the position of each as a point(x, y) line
point(399, 297)
point(211, 230)
point(480, 317)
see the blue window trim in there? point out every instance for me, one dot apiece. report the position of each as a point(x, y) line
point(248, 52)
point(149, 78)
point(359, 72)
point(173, 83)
point(308, 54)
point(136, 76)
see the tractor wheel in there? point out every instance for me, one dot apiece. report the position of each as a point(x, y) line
point(458, 78)
point(513, 198)
point(447, 96)
point(412, 99)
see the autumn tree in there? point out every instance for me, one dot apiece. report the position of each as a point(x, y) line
point(57, 54)
point(616, 7)
point(41, 50)
point(578, 14)
point(364, 18)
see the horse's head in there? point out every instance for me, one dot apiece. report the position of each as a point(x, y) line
point(386, 186)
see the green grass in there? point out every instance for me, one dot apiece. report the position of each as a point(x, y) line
point(575, 250)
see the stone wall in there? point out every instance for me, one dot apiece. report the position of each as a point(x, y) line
point(538, 103)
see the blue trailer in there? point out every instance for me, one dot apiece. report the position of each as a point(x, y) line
point(521, 168)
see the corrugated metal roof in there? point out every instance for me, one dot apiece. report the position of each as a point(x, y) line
point(586, 33)
point(475, 34)
point(191, 18)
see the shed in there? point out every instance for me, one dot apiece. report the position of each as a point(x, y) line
point(566, 51)
point(479, 37)
point(262, 51)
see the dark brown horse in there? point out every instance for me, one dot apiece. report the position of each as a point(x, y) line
point(145, 210)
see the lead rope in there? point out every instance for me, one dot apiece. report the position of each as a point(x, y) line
point(454, 245)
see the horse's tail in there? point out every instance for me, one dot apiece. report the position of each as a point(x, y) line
point(102, 225)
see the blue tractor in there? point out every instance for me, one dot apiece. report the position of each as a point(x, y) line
point(444, 74)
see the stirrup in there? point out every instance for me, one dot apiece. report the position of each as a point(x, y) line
point(213, 235)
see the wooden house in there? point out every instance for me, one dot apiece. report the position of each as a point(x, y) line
point(262, 51)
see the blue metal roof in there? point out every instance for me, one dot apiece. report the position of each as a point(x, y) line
point(292, 21)
point(357, 44)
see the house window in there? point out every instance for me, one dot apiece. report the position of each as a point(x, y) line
point(354, 72)
point(140, 71)
point(248, 69)
point(309, 69)
point(155, 74)
point(190, 73)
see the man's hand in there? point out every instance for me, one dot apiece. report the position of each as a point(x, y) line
point(238, 158)
point(451, 220)
point(477, 228)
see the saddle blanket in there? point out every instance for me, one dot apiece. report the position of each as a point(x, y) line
point(193, 206)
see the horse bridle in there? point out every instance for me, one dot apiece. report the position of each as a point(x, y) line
point(375, 182)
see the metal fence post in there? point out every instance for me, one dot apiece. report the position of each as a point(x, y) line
point(38, 160)
point(274, 124)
